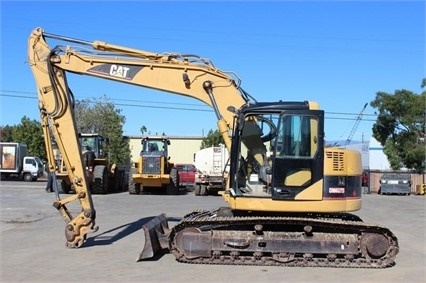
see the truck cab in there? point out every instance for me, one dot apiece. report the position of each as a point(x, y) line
point(16, 163)
point(33, 168)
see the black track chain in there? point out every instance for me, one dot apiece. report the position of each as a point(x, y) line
point(206, 218)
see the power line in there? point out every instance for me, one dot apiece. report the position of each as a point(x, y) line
point(264, 43)
point(34, 96)
point(232, 33)
point(178, 108)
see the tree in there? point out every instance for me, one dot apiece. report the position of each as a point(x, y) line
point(400, 127)
point(6, 133)
point(100, 116)
point(30, 133)
point(213, 138)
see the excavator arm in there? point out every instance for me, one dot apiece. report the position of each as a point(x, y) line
point(186, 75)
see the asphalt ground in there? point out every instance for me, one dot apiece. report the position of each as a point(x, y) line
point(33, 242)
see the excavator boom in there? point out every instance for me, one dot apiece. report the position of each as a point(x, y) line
point(187, 75)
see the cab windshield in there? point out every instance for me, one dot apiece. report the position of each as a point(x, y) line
point(294, 137)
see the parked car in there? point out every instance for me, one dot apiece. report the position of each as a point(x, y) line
point(395, 183)
point(186, 175)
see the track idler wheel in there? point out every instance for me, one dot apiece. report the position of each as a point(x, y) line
point(374, 245)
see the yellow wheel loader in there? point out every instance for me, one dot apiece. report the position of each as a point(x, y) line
point(153, 169)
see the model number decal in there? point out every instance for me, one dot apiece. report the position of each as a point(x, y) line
point(336, 190)
point(127, 72)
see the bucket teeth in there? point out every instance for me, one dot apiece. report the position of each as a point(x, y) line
point(156, 232)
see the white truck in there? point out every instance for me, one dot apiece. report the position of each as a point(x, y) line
point(15, 162)
point(212, 170)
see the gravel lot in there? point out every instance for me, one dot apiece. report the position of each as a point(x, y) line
point(33, 242)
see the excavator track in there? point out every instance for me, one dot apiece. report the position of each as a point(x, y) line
point(203, 237)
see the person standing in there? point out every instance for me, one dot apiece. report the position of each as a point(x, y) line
point(49, 184)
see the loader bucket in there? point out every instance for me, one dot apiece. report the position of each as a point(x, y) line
point(156, 233)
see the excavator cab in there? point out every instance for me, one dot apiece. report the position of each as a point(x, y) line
point(278, 151)
point(278, 155)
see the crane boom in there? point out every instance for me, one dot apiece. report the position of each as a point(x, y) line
point(355, 126)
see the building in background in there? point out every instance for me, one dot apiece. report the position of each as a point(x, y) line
point(181, 148)
point(377, 158)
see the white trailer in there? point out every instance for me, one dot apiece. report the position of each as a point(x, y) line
point(212, 168)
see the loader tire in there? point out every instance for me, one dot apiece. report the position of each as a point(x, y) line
point(203, 190)
point(119, 181)
point(197, 190)
point(134, 189)
point(100, 184)
point(63, 187)
point(116, 181)
point(173, 186)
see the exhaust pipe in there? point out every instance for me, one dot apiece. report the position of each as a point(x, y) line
point(156, 233)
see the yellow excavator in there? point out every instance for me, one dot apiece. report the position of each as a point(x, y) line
point(289, 197)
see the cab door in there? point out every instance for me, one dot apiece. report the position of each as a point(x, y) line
point(298, 158)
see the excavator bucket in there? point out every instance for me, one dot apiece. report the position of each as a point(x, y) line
point(156, 233)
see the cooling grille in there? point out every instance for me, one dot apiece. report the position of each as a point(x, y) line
point(151, 165)
point(337, 159)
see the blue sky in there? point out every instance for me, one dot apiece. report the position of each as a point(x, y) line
point(338, 53)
